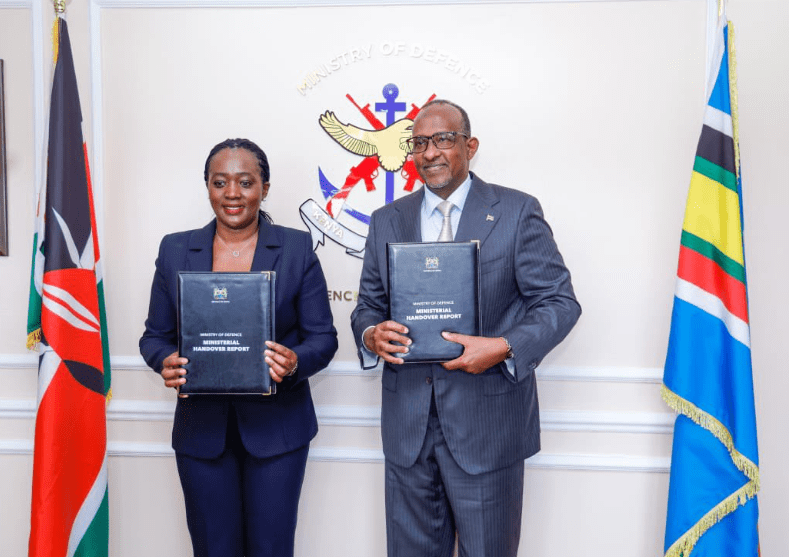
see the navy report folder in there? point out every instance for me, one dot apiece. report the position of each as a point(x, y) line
point(434, 287)
point(224, 320)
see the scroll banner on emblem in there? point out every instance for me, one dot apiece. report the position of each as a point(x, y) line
point(321, 224)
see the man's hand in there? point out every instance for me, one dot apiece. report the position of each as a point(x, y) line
point(479, 354)
point(379, 339)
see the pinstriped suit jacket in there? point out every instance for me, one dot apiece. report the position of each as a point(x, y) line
point(490, 420)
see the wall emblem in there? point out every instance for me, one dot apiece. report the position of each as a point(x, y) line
point(344, 212)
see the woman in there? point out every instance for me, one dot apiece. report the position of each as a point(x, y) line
point(241, 459)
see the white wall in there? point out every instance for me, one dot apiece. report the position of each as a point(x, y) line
point(594, 107)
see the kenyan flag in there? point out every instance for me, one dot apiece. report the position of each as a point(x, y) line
point(66, 320)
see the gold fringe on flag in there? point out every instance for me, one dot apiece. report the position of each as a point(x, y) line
point(55, 41)
point(684, 545)
point(711, 424)
point(733, 95)
point(33, 339)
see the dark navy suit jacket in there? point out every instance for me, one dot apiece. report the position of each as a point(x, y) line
point(268, 425)
point(489, 420)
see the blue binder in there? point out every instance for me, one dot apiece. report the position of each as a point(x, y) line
point(434, 287)
point(224, 320)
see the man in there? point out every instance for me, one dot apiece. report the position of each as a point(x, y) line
point(455, 435)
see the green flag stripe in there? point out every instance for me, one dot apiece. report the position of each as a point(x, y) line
point(105, 343)
point(714, 172)
point(95, 542)
point(34, 303)
point(729, 266)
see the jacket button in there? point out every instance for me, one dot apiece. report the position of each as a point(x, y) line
point(429, 380)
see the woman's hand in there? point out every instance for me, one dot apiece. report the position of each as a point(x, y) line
point(282, 361)
point(173, 372)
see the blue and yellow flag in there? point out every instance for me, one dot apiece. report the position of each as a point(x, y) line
point(712, 505)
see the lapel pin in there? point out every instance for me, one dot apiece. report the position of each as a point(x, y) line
point(489, 217)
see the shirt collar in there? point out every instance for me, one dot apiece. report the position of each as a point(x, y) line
point(458, 197)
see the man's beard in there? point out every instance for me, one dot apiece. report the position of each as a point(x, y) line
point(438, 186)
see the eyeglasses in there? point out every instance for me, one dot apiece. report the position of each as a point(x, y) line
point(442, 140)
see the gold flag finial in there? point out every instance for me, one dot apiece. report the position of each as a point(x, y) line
point(60, 6)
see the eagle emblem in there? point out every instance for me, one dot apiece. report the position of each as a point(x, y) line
point(388, 144)
point(381, 146)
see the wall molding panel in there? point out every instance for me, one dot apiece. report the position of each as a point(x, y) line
point(579, 462)
point(192, 4)
point(369, 416)
point(612, 374)
point(657, 423)
point(19, 4)
point(19, 361)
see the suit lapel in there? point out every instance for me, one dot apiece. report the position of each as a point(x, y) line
point(268, 248)
point(406, 223)
point(480, 214)
point(200, 256)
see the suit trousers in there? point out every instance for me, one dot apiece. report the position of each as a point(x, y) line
point(428, 503)
point(238, 505)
